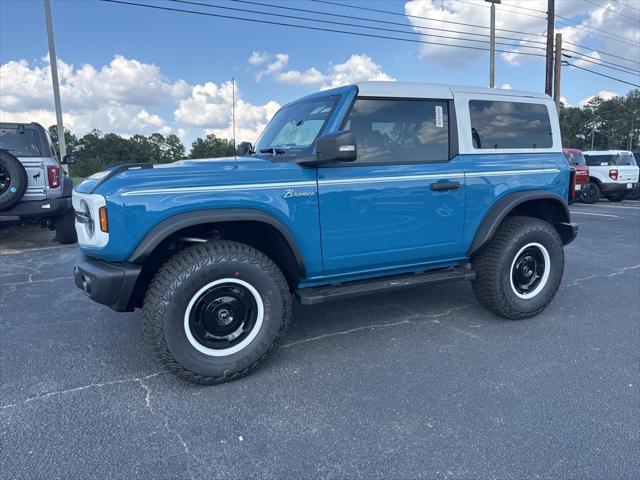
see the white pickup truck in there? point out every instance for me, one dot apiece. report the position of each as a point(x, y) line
point(612, 174)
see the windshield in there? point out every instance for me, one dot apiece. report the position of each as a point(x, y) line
point(20, 143)
point(575, 158)
point(296, 126)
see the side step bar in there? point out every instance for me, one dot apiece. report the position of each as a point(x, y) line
point(315, 295)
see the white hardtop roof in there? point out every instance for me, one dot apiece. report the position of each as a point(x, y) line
point(606, 152)
point(433, 90)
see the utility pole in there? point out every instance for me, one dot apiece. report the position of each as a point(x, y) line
point(556, 71)
point(54, 78)
point(492, 44)
point(633, 122)
point(548, 78)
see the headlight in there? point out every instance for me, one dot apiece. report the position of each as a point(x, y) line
point(91, 219)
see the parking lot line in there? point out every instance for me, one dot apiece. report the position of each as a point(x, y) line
point(596, 214)
point(613, 206)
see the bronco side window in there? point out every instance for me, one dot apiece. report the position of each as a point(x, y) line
point(509, 125)
point(400, 130)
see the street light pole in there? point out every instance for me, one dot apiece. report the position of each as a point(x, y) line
point(492, 44)
point(54, 78)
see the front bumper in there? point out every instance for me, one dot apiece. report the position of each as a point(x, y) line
point(568, 232)
point(54, 207)
point(109, 284)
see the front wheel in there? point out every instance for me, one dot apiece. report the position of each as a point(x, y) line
point(215, 311)
point(518, 273)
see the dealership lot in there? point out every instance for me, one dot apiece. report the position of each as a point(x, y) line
point(418, 383)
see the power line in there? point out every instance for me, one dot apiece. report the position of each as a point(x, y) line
point(627, 5)
point(596, 61)
point(603, 75)
point(606, 7)
point(308, 27)
point(586, 28)
point(575, 23)
point(602, 52)
point(332, 22)
point(387, 22)
point(358, 7)
point(360, 34)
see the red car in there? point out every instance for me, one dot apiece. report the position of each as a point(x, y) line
point(579, 166)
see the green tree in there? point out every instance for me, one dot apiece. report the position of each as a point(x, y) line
point(70, 140)
point(211, 147)
point(603, 124)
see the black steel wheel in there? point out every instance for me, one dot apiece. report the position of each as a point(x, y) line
point(215, 311)
point(591, 193)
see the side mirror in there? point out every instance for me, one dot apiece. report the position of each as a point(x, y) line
point(337, 147)
point(69, 160)
point(244, 148)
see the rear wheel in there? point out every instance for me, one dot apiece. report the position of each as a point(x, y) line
point(519, 271)
point(615, 198)
point(591, 193)
point(13, 180)
point(216, 311)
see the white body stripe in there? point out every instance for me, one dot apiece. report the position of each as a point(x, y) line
point(341, 181)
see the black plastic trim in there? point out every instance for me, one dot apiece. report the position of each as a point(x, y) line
point(122, 167)
point(184, 220)
point(315, 295)
point(34, 209)
point(106, 283)
point(501, 209)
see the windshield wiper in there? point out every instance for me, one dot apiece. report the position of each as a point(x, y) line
point(273, 151)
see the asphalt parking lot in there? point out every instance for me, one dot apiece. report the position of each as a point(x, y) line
point(414, 384)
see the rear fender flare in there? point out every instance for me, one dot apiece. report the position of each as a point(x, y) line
point(506, 205)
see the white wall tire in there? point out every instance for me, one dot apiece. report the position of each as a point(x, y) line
point(494, 266)
point(237, 347)
point(189, 284)
point(541, 281)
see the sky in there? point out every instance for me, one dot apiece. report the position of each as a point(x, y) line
point(128, 69)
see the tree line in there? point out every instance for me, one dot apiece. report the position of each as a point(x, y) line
point(599, 125)
point(97, 150)
point(612, 124)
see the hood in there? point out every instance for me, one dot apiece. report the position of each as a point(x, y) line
point(188, 173)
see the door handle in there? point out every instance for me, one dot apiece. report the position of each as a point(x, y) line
point(438, 186)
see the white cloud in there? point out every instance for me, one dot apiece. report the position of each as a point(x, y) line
point(121, 97)
point(114, 98)
point(506, 86)
point(565, 102)
point(604, 17)
point(603, 94)
point(258, 58)
point(210, 107)
point(357, 68)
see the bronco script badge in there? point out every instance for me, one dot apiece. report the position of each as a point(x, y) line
point(289, 193)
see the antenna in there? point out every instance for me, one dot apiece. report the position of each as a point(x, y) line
point(233, 114)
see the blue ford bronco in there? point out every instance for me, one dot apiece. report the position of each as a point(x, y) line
point(350, 191)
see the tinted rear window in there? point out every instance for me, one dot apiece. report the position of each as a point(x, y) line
point(611, 159)
point(21, 144)
point(510, 125)
point(626, 159)
point(575, 158)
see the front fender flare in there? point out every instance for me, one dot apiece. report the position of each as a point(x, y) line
point(177, 222)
